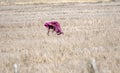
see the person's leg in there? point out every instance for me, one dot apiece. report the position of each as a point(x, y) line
point(59, 32)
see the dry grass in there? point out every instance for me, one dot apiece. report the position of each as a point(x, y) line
point(91, 31)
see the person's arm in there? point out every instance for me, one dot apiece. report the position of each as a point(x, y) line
point(48, 32)
point(53, 29)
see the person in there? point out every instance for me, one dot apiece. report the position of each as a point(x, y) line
point(55, 26)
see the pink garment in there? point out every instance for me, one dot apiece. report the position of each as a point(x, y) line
point(54, 24)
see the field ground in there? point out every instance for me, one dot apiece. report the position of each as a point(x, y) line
point(11, 2)
point(90, 31)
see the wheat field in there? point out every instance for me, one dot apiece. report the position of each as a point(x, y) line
point(11, 2)
point(91, 31)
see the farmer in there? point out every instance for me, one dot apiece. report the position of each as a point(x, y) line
point(55, 26)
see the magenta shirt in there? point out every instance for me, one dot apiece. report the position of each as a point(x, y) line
point(55, 24)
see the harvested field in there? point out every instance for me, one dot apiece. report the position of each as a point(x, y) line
point(91, 31)
point(11, 2)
